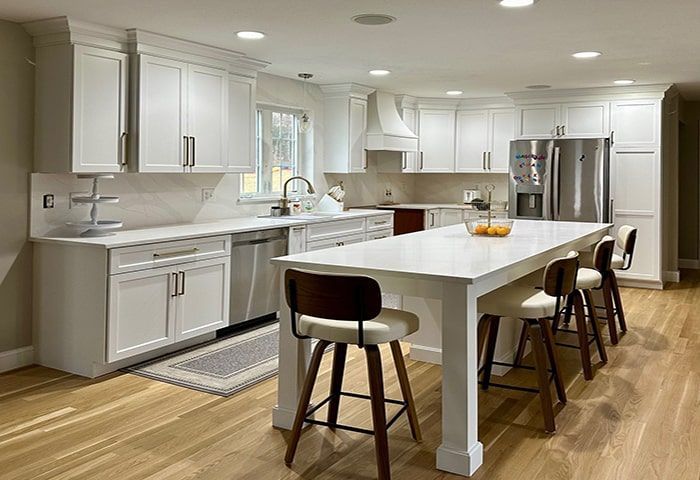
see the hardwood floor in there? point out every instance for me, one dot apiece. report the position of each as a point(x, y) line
point(639, 418)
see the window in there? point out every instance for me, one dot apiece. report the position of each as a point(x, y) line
point(276, 152)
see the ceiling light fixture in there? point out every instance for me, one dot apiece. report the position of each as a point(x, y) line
point(517, 3)
point(379, 72)
point(305, 121)
point(250, 35)
point(624, 82)
point(454, 92)
point(586, 54)
point(373, 19)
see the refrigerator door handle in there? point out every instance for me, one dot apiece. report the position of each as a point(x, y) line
point(556, 190)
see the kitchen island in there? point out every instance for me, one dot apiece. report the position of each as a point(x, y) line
point(448, 265)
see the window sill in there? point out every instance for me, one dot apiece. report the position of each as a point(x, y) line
point(259, 199)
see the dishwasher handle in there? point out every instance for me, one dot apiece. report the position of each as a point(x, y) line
point(258, 241)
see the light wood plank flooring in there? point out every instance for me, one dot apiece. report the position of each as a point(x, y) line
point(638, 419)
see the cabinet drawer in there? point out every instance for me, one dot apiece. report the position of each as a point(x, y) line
point(142, 257)
point(380, 234)
point(334, 242)
point(327, 230)
point(380, 222)
point(479, 215)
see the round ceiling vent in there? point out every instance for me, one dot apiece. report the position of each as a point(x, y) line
point(373, 19)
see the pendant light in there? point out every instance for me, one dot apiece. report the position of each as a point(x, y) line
point(305, 122)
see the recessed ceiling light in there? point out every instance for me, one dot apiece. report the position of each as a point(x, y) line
point(250, 35)
point(379, 72)
point(624, 82)
point(586, 54)
point(454, 92)
point(373, 19)
point(516, 3)
point(538, 87)
point(644, 64)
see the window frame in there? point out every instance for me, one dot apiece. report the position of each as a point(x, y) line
point(263, 143)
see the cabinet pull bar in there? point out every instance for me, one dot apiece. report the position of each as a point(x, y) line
point(186, 151)
point(176, 254)
point(612, 138)
point(175, 284)
point(483, 160)
point(558, 128)
point(182, 283)
point(193, 157)
point(123, 144)
point(421, 160)
point(563, 129)
point(489, 157)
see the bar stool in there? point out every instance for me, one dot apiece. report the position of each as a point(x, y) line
point(344, 310)
point(626, 241)
point(535, 308)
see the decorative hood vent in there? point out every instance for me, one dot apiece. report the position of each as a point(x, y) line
point(385, 129)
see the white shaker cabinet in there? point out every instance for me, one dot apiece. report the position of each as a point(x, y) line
point(472, 142)
point(81, 109)
point(450, 216)
point(501, 132)
point(436, 137)
point(345, 128)
point(636, 123)
point(537, 121)
point(409, 160)
point(585, 120)
point(182, 117)
point(241, 125)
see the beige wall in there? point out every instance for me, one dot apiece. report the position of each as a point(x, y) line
point(16, 132)
point(689, 176)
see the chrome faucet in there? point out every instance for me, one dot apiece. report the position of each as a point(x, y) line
point(284, 201)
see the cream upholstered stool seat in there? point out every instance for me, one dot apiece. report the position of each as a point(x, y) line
point(388, 326)
point(535, 308)
point(588, 279)
point(347, 310)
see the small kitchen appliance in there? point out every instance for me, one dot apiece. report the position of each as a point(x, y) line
point(470, 195)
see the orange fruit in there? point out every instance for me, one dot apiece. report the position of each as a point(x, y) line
point(480, 229)
point(492, 230)
point(503, 231)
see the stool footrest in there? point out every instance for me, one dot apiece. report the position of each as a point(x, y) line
point(311, 421)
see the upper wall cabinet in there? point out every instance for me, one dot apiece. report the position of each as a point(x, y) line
point(568, 120)
point(436, 140)
point(182, 119)
point(81, 98)
point(110, 100)
point(636, 123)
point(483, 140)
point(345, 128)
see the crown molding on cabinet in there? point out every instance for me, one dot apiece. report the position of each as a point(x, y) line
point(464, 103)
point(145, 42)
point(63, 30)
point(353, 90)
point(631, 92)
point(406, 101)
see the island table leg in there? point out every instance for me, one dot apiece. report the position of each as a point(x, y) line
point(461, 452)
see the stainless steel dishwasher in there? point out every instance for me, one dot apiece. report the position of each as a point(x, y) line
point(255, 282)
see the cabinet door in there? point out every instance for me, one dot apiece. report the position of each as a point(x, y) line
point(636, 123)
point(646, 263)
point(207, 118)
point(585, 120)
point(450, 216)
point(99, 110)
point(501, 132)
point(141, 312)
point(162, 115)
point(432, 218)
point(241, 125)
point(409, 160)
point(203, 297)
point(297, 240)
point(436, 140)
point(358, 135)
point(472, 140)
point(536, 121)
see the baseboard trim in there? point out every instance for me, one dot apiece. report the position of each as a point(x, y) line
point(692, 263)
point(17, 358)
point(426, 354)
point(637, 283)
point(672, 276)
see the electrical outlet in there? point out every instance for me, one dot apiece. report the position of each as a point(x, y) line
point(207, 194)
point(49, 200)
point(71, 204)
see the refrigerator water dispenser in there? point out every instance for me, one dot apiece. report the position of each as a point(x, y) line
point(529, 201)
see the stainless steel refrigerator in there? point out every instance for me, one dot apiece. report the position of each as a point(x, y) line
point(560, 180)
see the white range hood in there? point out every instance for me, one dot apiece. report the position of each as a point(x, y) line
point(385, 129)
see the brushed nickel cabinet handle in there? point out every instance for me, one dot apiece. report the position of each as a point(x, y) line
point(612, 138)
point(558, 128)
point(563, 129)
point(483, 160)
point(175, 284)
point(194, 154)
point(403, 161)
point(488, 155)
point(182, 283)
point(176, 254)
point(421, 160)
point(123, 145)
point(186, 151)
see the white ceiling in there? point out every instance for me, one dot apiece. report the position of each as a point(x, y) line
point(470, 45)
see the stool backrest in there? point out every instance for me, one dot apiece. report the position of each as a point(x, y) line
point(626, 241)
point(603, 253)
point(559, 277)
point(332, 296)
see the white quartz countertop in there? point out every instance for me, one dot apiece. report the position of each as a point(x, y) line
point(426, 206)
point(449, 253)
point(126, 238)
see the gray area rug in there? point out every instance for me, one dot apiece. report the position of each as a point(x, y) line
point(226, 365)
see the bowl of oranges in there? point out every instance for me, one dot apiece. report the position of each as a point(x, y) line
point(494, 228)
